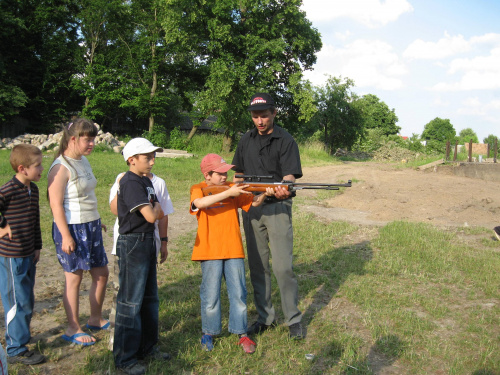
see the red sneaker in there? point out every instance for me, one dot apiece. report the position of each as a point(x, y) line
point(247, 344)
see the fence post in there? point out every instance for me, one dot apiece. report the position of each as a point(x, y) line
point(470, 151)
point(447, 151)
point(495, 151)
point(456, 151)
point(488, 150)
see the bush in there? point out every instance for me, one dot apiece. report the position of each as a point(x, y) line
point(374, 139)
point(158, 136)
point(177, 140)
point(414, 143)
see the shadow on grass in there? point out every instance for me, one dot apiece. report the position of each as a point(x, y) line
point(320, 281)
point(323, 277)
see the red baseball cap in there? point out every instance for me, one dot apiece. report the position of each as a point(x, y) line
point(214, 162)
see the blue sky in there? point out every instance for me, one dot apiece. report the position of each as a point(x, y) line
point(423, 58)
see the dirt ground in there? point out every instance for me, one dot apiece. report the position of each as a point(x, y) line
point(380, 193)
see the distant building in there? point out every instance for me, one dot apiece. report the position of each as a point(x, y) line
point(207, 125)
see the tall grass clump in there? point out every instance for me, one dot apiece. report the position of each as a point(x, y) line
point(205, 143)
point(314, 153)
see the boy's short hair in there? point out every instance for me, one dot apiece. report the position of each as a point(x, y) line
point(23, 154)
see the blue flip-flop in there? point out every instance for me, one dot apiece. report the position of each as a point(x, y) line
point(96, 328)
point(74, 340)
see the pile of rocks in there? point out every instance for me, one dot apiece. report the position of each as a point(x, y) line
point(50, 142)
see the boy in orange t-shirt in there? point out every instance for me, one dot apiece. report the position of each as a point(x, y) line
point(219, 249)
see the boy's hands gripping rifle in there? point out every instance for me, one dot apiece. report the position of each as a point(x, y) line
point(261, 186)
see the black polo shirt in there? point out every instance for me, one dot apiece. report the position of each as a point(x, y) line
point(135, 191)
point(276, 154)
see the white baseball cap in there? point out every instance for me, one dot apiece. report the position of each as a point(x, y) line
point(138, 146)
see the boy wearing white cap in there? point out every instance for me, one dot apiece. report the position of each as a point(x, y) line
point(136, 325)
point(219, 249)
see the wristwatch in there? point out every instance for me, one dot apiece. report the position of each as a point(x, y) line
point(164, 239)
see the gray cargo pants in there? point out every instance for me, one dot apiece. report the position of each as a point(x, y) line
point(269, 231)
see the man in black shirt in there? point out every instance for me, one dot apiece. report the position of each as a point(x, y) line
point(270, 150)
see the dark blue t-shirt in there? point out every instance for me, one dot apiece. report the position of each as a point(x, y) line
point(135, 191)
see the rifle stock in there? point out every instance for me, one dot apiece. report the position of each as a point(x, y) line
point(262, 186)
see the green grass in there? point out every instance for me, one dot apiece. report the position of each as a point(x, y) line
point(314, 154)
point(410, 295)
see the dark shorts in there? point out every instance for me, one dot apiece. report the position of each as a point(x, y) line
point(89, 251)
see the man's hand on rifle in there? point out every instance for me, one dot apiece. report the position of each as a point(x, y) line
point(281, 193)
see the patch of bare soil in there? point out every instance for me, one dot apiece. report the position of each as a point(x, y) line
point(380, 193)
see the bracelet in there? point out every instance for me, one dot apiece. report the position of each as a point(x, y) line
point(164, 239)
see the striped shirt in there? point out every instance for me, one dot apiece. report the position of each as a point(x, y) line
point(20, 208)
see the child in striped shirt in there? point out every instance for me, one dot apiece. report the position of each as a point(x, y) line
point(20, 245)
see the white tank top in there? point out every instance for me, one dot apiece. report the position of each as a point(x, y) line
point(80, 201)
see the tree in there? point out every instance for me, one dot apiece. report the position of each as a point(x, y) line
point(341, 121)
point(466, 135)
point(377, 115)
point(130, 70)
point(437, 132)
point(247, 46)
point(490, 140)
point(95, 20)
point(12, 97)
point(39, 48)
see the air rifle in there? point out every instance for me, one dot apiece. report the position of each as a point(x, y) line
point(261, 186)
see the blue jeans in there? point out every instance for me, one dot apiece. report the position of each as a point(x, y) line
point(17, 280)
point(234, 274)
point(136, 323)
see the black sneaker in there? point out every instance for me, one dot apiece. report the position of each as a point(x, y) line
point(134, 369)
point(296, 331)
point(258, 327)
point(496, 230)
point(29, 357)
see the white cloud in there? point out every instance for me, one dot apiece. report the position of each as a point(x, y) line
point(489, 63)
point(440, 102)
point(490, 38)
point(478, 73)
point(369, 63)
point(444, 47)
point(342, 36)
point(473, 106)
point(371, 13)
point(449, 46)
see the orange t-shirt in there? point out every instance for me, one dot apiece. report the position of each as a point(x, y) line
point(219, 235)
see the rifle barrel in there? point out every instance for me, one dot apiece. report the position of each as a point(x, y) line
point(316, 187)
point(348, 184)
